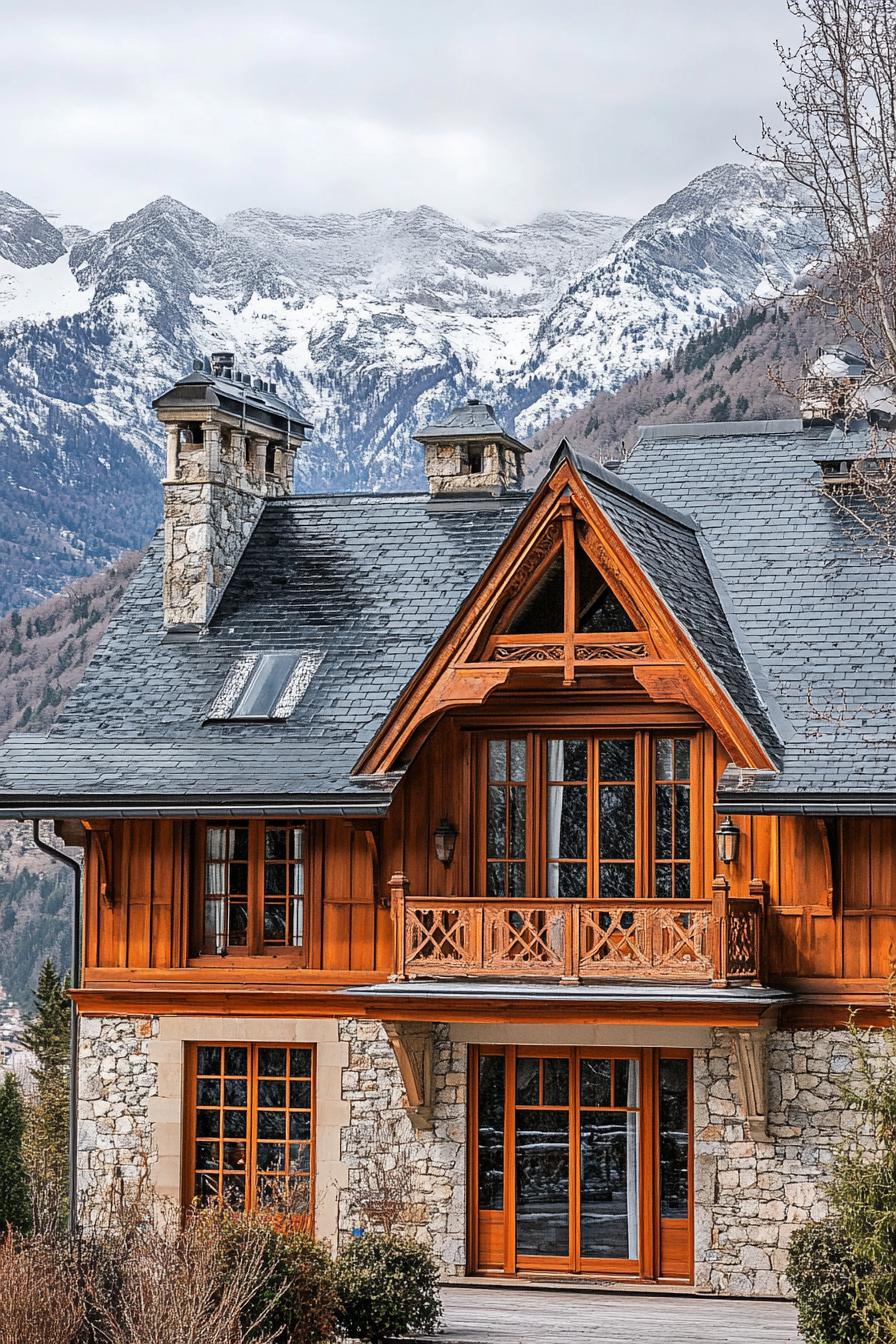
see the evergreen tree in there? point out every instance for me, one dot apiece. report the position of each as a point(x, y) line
point(15, 1206)
point(46, 1032)
point(47, 1035)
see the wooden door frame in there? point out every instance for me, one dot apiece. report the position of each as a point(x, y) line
point(648, 1266)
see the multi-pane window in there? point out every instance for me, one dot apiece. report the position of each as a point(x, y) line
point(600, 816)
point(616, 821)
point(567, 818)
point(505, 823)
point(252, 1127)
point(254, 892)
point(672, 816)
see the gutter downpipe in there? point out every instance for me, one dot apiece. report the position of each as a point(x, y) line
point(75, 979)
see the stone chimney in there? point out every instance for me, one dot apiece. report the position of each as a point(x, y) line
point(231, 446)
point(469, 454)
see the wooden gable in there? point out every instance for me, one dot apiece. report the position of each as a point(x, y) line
point(565, 566)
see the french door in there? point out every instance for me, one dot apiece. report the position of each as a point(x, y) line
point(581, 1161)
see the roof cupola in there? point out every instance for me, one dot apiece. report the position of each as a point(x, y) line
point(469, 453)
point(231, 445)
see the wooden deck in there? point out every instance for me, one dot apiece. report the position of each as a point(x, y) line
point(521, 1315)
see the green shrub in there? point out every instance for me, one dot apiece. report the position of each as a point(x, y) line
point(387, 1287)
point(296, 1302)
point(826, 1278)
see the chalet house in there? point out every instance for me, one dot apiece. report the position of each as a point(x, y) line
point(537, 842)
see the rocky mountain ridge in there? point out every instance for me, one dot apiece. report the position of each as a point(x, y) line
point(370, 323)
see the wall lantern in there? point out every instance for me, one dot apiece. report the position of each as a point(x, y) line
point(727, 841)
point(444, 838)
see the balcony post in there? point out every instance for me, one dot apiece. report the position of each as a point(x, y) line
point(398, 893)
point(572, 923)
point(759, 893)
point(721, 896)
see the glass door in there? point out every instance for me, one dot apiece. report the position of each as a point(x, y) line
point(609, 1162)
point(582, 1161)
point(542, 1121)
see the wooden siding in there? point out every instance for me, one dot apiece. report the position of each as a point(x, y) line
point(830, 928)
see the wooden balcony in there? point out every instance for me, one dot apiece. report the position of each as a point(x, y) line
point(717, 941)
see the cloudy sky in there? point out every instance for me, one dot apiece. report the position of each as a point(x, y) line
point(487, 109)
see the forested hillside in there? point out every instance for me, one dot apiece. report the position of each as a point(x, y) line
point(43, 653)
point(721, 374)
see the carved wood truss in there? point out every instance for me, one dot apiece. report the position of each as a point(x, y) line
point(485, 647)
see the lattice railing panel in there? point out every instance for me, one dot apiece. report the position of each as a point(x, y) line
point(529, 940)
point(682, 943)
point(614, 939)
point(438, 937)
point(743, 940)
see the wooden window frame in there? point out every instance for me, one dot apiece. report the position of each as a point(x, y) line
point(536, 861)
point(656, 1239)
point(256, 952)
point(298, 1222)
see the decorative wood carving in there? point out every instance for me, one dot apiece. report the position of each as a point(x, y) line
point(680, 672)
point(546, 544)
point(412, 1045)
point(749, 1054)
point(610, 653)
point(528, 653)
point(649, 940)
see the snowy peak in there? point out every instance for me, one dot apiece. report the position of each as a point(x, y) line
point(27, 238)
point(371, 323)
point(423, 254)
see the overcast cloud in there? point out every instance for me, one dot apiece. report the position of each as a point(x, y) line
point(486, 109)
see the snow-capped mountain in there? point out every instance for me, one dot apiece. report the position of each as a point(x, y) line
point(370, 323)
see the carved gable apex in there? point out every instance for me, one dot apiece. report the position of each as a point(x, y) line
point(565, 598)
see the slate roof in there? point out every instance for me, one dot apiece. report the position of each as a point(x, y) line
point(371, 579)
point(785, 598)
point(668, 546)
point(814, 595)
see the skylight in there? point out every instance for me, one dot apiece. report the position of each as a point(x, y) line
point(266, 685)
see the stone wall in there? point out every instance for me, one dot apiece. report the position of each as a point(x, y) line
point(435, 1158)
point(116, 1081)
point(749, 1196)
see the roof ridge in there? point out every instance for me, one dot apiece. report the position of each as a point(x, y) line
point(714, 429)
point(588, 466)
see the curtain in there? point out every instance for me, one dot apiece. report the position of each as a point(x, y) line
point(631, 1160)
point(297, 887)
point(217, 849)
point(555, 814)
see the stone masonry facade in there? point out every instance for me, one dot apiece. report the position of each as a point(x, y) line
point(116, 1082)
point(435, 1159)
point(748, 1196)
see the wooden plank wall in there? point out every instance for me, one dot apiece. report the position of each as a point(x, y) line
point(832, 885)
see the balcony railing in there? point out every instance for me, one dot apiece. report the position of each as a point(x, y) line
point(710, 942)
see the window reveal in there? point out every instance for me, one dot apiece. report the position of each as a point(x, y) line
point(254, 898)
point(252, 1131)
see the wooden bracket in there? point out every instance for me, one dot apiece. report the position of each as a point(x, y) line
point(371, 833)
point(103, 843)
point(749, 1054)
point(412, 1044)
